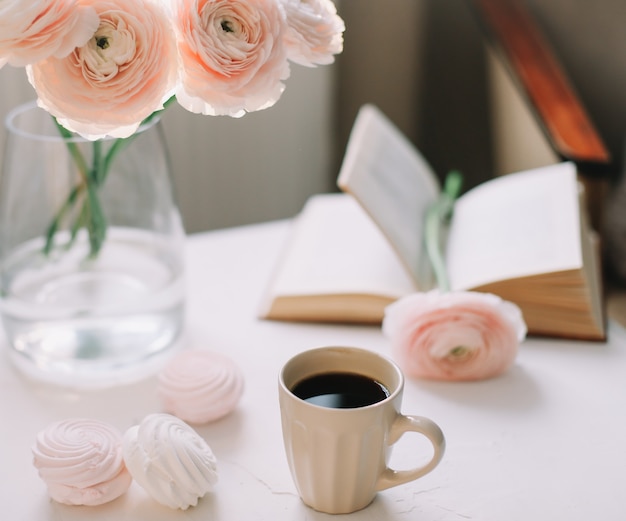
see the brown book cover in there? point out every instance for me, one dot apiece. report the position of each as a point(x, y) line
point(530, 59)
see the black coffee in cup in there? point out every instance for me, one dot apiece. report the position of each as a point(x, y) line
point(340, 390)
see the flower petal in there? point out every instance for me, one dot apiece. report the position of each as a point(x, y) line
point(33, 31)
point(454, 336)
point(232, 54)
point(123, 74)
point(315, 31)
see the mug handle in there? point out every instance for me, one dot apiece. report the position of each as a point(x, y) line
point(390, 477)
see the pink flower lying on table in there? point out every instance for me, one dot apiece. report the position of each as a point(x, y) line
point(32, 31)
point(454, 335)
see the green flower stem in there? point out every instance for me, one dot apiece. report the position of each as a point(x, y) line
point(78, 223)
point(115, 149)
point(56, 222)
point(90, 216)
point(75, 152)
point(437, 216)
point(98, 163)
point(96, 221)
point(122, 143)
point(83, 170)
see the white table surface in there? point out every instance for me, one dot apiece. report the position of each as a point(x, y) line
point(545, 442)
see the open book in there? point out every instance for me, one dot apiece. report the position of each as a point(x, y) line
point(522, 236)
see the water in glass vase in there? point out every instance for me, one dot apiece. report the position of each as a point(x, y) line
point(91, 252)
point(72, 319)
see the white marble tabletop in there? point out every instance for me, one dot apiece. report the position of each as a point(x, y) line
point(544, 442)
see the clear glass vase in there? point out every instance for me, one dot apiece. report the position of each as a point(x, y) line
point(91, 253)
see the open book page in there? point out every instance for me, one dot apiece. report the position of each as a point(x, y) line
point(514, 226)
point(394, 183)
point(335, 248)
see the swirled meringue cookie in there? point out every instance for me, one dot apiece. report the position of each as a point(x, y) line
point(169, 460)
point(200, 386)
point(80, 460)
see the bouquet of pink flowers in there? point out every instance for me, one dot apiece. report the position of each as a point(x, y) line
point(102, 67)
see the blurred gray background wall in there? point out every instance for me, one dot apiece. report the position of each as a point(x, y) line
point(425, 64)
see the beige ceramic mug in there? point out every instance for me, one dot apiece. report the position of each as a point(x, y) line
point(339, 428)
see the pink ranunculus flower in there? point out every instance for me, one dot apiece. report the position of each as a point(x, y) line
point(454, 336)
point(315, 31)
point(233, 55)
point(33, 31)
point(126, 71)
